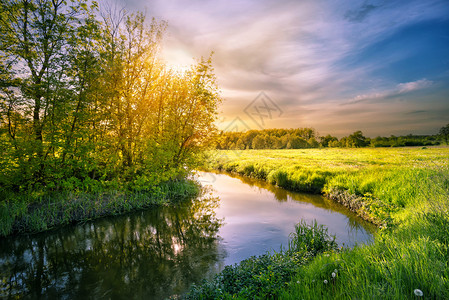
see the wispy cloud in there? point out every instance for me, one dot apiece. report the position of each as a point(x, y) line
point(401, 88)
point(414, 85)
point(358, 15)
point(416, 112)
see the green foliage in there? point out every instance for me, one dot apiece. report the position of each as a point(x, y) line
point(268, 139)
point(62, 208)
point(311, 238)
point(90, 106)
point(303, 138)
point(403, 141)
point(357, 140)
point(265, 276)
point(412, 257)
point(444, 133)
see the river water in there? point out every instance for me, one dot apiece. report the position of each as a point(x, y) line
point(158, 253)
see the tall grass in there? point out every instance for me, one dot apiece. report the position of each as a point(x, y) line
point(404, 190)
point(414, 256)
point(31, 213)
point(379, 184)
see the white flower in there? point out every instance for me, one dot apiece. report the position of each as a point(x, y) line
point(297, 281)
point(335, 271)
point(333, 274)
point(418, 292)
point(325, 282)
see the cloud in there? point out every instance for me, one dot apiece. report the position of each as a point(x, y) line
point(416, 112)
point(399, 89)
point(310, 56)
point(413, 86)
point(358, 15)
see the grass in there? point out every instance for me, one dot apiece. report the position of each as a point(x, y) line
point(41, 212)
point(264, 276)
point(381, 185)
point(393, 267)
point(403, 190)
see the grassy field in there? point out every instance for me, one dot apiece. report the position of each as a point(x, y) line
point(403, 190)
point(381, 185)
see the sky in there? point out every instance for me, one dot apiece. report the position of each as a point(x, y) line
point(381, 67)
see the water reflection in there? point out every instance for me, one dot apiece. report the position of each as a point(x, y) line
point(160, 252)
point(150, 254)
point(259, 217)
point(355, 223)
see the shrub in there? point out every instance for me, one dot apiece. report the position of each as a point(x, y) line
point(267, 275)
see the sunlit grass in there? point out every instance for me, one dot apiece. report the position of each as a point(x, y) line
point(393, 267)
point(382, 182)
point(404, 190)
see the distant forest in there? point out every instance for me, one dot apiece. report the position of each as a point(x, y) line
point(302, 138)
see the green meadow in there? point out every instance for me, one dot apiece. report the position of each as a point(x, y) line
point(405, 191)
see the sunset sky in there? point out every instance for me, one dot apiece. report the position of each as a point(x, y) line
point(338, 66)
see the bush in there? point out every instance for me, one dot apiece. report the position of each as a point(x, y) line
point(311, 238)
point(265, 276)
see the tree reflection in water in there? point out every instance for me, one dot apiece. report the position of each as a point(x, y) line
point(354, 224)
point(148, 254)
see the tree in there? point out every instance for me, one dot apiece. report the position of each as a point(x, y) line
point(193, 103)
point(258, 142)
point(132, 81)
point(444, 133)
point(83, 99)
point(37, 38)
point(277, 143)
point(326, 140)
point(240, 145)
point(357, 140)
point(313, 143)
point(296, 142)
point(334, 144)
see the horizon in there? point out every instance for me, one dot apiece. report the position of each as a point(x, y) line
point(320, 134)
point(376, 66)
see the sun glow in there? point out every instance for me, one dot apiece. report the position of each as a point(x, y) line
point(177, 59)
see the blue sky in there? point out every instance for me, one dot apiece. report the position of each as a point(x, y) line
point(338, 66)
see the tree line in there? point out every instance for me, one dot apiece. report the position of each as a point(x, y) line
point(302, 138)
point(85, 99)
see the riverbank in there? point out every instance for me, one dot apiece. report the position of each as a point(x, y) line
point(404, 190)
point(380, 185)
point(31, 213)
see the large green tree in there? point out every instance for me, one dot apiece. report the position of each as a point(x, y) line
point(87, 98)
point(38, 90)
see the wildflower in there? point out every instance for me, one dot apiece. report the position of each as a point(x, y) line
point(333, 274)
point(297, 282)
point(335, 271)
point(325, 282)
point(418, 292)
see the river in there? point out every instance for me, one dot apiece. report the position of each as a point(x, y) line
point(157, 253)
